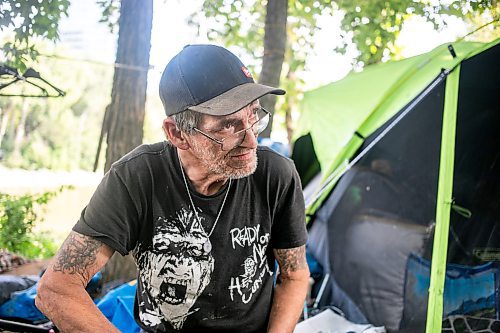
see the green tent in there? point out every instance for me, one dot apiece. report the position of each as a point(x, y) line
point(420, 141)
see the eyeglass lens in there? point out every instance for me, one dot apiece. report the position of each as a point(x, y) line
point(234, 140)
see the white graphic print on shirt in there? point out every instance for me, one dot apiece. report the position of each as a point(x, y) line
point(254, 266)
point(175, 271)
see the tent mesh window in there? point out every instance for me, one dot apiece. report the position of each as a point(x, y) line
point(385, 214)
point(476, 183)
point(472, 292)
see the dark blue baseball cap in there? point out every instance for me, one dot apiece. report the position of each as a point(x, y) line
point(209, 79)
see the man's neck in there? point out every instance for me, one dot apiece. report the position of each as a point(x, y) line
point(204, 181)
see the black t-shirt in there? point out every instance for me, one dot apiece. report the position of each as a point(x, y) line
point(142, 206)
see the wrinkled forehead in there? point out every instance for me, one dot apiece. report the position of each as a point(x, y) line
point(241, 114)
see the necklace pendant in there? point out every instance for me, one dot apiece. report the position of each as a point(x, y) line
point(207, 246)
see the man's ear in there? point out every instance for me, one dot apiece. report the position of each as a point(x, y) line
point(174, 135)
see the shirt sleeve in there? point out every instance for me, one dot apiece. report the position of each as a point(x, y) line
point(289, 227)
point(112, 215)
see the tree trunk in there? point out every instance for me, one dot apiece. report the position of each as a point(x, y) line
point(291, 106)
point(124, 123)
point(128, 95)
point(274, 52)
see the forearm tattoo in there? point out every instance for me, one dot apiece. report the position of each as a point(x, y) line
point(76, 255)
point(291, 260)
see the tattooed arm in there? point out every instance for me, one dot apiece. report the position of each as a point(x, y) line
point(61, 294)
point(291, 289)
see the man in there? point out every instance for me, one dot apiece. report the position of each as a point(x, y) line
point(205, 215)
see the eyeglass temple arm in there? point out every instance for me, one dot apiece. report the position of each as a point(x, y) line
point(208, 136)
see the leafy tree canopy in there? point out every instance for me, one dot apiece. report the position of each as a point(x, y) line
point(55, 133)
point(110, 13)
point(372, 25)
point(29, 20)
point(240, 23)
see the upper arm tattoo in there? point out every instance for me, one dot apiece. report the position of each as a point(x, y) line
point(291, 260)
point(77, 255)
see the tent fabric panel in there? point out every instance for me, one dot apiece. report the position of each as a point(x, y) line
point(485, 47)
point(364, 101)
point(416, 79)
point(305, 159)
point(443, 207)
point(343, 106)
point(331, 176)
point(429, 105)
point(438, 60)
point(362, 189)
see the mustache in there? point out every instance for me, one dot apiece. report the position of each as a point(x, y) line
point(240, 151)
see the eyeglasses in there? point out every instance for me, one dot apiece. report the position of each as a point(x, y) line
point(260, 120)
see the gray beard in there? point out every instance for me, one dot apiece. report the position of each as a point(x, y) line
point(221, 168)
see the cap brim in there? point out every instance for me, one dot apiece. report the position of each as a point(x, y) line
point(235, 99)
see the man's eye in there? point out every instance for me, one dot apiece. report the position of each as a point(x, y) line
point(254, 115)
point(229, 127)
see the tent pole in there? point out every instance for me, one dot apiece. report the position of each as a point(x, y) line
point(443, 206)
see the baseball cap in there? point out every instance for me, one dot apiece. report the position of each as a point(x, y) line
point(209, 79)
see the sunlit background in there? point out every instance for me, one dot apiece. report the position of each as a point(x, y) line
point(82, 63)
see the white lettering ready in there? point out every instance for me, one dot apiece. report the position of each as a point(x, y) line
point(244, 237)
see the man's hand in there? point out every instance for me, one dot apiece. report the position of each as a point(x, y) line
point(291, 289)
point(61, 294)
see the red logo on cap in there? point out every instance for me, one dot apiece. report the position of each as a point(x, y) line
point(246, 72)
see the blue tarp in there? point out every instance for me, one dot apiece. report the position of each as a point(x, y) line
point(22, 303)
point(277, 146)
point(118, 307)
point(468, 290)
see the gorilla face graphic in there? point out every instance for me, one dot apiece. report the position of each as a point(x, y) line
point(177, 270)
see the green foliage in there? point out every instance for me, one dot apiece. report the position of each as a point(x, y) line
point(110, 13)
point(29, 20)
point(57, 133)
point(42, 246)
point(18, 217)
point(373, 26)
point(241, 24)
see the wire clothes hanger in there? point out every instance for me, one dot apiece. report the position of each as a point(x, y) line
point(30, 73)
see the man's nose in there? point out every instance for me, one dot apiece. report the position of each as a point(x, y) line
point(250, 140)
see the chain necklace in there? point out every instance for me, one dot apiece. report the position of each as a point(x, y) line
point(207, 246)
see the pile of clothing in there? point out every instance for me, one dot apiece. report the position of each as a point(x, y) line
point(10, 260)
